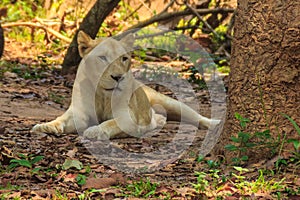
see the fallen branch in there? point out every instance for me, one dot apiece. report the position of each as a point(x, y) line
point(35, 25)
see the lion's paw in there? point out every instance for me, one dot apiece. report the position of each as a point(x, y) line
point(214, 123)
point(95, 132)
point(50, 127)
point(160, 120)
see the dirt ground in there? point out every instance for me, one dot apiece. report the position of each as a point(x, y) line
point(26, 100)
point(42, 95)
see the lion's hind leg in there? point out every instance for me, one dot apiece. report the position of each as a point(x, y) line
point(176, 110)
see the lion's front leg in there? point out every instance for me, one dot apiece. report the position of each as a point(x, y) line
point(62, 124)
point(104, 131)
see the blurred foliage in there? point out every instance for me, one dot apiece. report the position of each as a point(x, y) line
point(23, 10)
point(123, 17)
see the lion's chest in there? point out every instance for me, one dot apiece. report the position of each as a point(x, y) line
point(103, 108)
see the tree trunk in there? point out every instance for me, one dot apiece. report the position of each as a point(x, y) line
point(265, 72)
point(90, 25)
point(1, 41)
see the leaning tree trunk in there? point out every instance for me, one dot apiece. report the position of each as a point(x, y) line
point(265, 71)
point(90, 25)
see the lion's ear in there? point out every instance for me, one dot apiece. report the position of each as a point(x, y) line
point(128, 40)
point(83, 41)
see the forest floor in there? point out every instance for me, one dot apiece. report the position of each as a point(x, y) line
point(43, 166)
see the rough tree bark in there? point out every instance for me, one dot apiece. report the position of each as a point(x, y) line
point(90, 24)
point(265, 71)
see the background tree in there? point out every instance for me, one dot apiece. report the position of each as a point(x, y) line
point(90, 24)
point(265, 71)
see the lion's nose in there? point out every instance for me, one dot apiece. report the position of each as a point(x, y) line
point(117, 78)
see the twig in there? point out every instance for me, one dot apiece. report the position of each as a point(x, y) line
point(168, 6)
point(201, 19)
point(164, 32)
point(222, 49)
point(35, 25)
point(147, 7)
point(166, 16)
point(128, 16)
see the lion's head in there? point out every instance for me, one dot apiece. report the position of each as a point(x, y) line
point(108, 56)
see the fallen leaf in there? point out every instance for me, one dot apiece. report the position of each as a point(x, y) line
point(71, 153)
point(99, 183)
point(186, 191)
point(111, 193)
point(70, 178)
point(15, 195)
point(72, 163)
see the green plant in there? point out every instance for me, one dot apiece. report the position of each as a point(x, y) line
point(23, 10)
point(6, 195)
point(81, 179)
point(26, 161)
point(295, 142)
point(57, 98)
point(260, 184)
point(202, 183)
point(245, 141)
point(221, 34)
point(240, 178)
point(88, 193)
point(9, 186)
point(144, 189)
point(280, 162)
point(60, 196)
point(293, 122)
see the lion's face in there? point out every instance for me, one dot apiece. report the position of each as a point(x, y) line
point(112, 59)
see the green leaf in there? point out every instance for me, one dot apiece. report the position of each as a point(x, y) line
point(243, 121)
point(81, 179)
point(243, 149)
point(22, 155)
point(72, 163)
point(24, 163)
point(244, 136)
point(235, 139)
point(249, 144)
point(150, 193)
point(36, 159)
point(13, 165)
point(230, 147)
point(241, 169)
point(244, 158)
point(237, 116)
point(200, 158)
point(36, 170)
point(293, 122)
point(263, 135)
point(96, 190)
point(243, 124)
point(236, 160)
point(295, 142)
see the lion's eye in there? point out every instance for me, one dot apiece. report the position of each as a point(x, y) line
point(124, 59)
point(103, 58)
